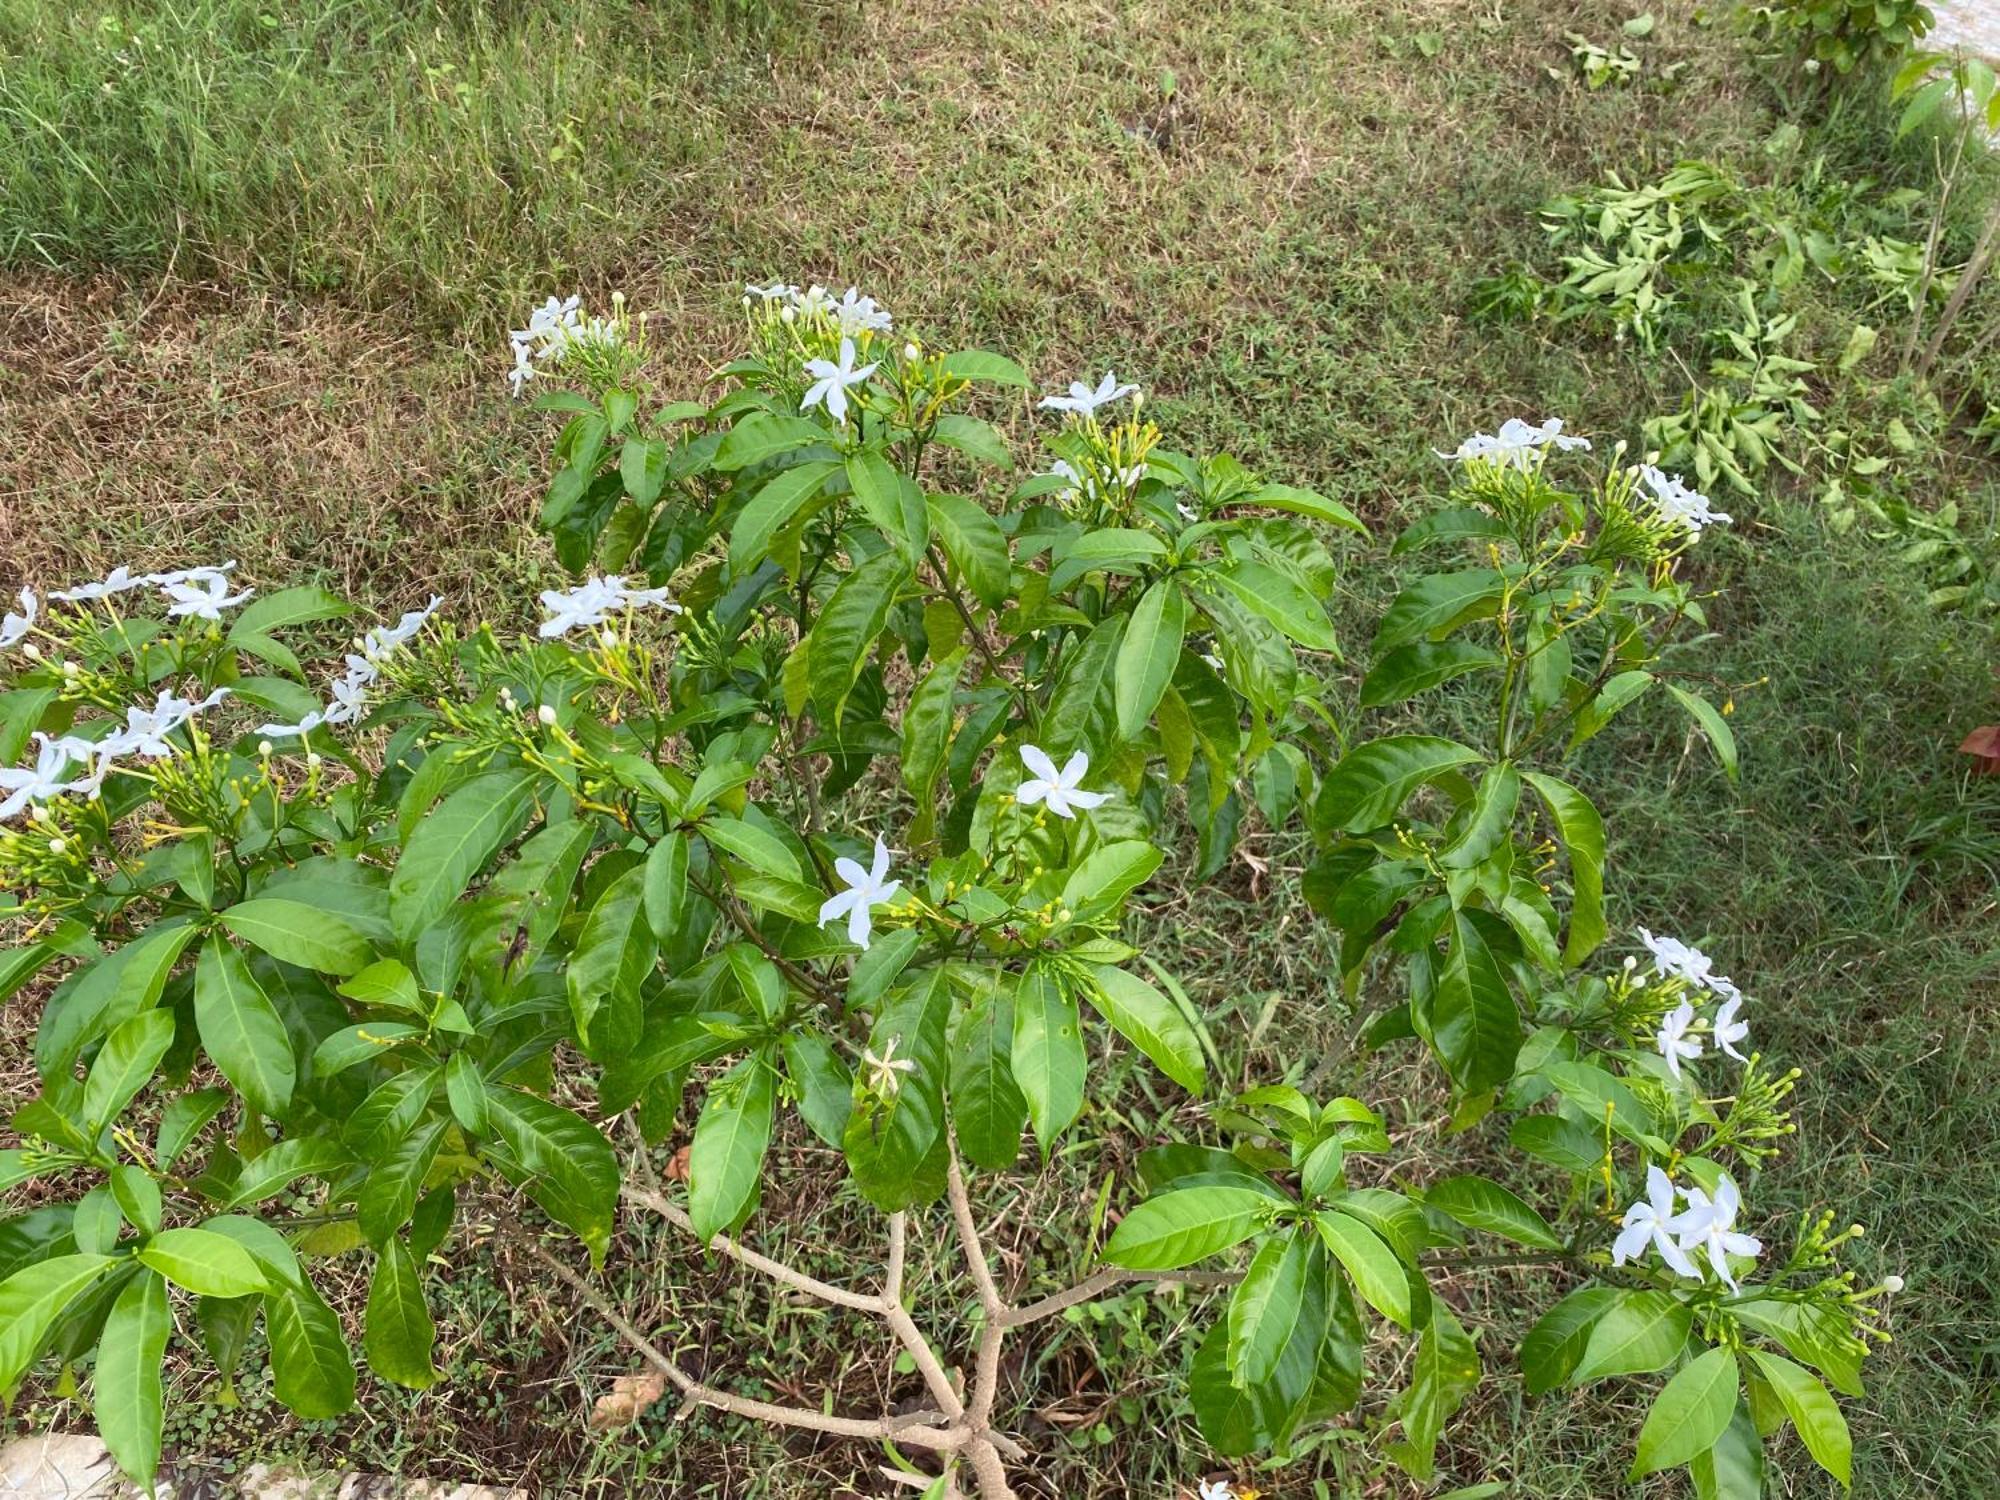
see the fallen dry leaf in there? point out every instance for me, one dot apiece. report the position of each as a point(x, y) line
point(677, 1168)
point(630, 1395)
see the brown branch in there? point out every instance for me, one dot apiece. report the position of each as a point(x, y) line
point(897, 1315)
point(1102, 1281)
point(923, 1429)
point(674, 1214)
point(986, 1366)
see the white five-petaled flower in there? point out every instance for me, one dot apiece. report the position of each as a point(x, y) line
point(305, 726)
point(15, 627)
point(44, 779)
point(1673, 957)
point(1728, 1031)
point(204, 596)
point(1057, 790)
point(146, 729)
point(1219, 1489)
point(858, 314)
point(1673, 1039)
point(777, 291)
point(1710, 1224)
point(1686, 508)
point(383, 639)
point(885, 1073)
point(831, 381)
point(865, 889)
point(118, 581)
point(203, 575)
point(1645, 1223)
point(594, 601)
point(524, 368)
point(1517, 443)
point(1083, 401)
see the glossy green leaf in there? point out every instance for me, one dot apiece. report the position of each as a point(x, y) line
point(398, 1335)
point(891, 502)
point(204, 1261)
point(1178, 1228)
point(1479, 1203)
point(988, 1109)
point(613, 956)
point(726, 1157)
point(1474, 1023)
point(128, 1400)
point(1638, 1334)
point(1712, 723)
point(295, 933)
point(1812, 1411)
point(241, 1029)
point(311, 1372)
point(975, 544)
point(1148, 654)
point(124, 1065)
point(1690, 1414)
point(1369, 786)
point(1437, 603)
point(1550, 1353)
point(1378, 1275)
point(277, 1168)
point(1047, 1054)
point(31, 1299)
point(1151, 1022)
point(455, 843)
point(572, 1172)
point(1265, 1305)
point(844, 634)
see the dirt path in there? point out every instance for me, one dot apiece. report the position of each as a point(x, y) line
point(1972, 24)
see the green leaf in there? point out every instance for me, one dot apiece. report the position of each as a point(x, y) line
point(390, 1192)
point(1108, 874)
point(975, 544)
point(106, 994)
point(894, 1141)
point(1473, 1021)
point(1479, 1203)
point(1279, 600)
point(573, 1174)
point(274, 1170)
point(753, 845)
point(1371, 1265)
point(642, 465)
point(726, 1157)
point(1603, 1097)
point(1444, 1373)
point(1177, 1229)
point(772, 508)
point(1487, 822)
point(298, 606)
point(1151, 1022)
point(1813, 1412)
point(666, 886)
point(613, 957)
point(124, 1065)
point(385, 983)
point(1421, 666)
point(1305, 503)
point(128, 1399)
point(974, 438)
point(453, 844)
point(928, 723)
point(1734, 1468)
point(399, 1331)
point(1265, 1305)
point(1712, 724)
point(825, 1087)
point(1637, 1335)
point(987, 1106)
point(31, 1300)
point(1550, 1352)
point(979, 365)
point(763, 436)
point(1452, 525)
point(1369, 786)
point(1613, 696)
point(204, 1261)
point(892, 503)
point(182, 1120)
point(1047, 1054)
point(1689, 1415)
point(241, 1029)
point(844, 634)
point(310, 1369)
point(358, 1044)
point(1582, 833)
point(295, 933)
point(1148, 654)
point(1437, 603)
point(138, 1197)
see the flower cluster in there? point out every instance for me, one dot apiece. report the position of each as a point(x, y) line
point(1707, 1225)
point(144, 735)
point(594, 601)
point(197, 593)
point(1679, 506)
point(557, 329)
point(1680, 1035)
point(347, 700)
point(1518, 444)
point(850, 312)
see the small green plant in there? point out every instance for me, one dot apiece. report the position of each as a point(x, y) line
point(1847, 34)
point(823, 795)
point(1600, 66)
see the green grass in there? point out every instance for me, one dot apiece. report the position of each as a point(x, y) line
point(1284, 253)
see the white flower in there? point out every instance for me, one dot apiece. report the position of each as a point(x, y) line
point(1084, 401)
point(1056, 789)
point(858, 314)
point(885, 1073)
point(594, 601)
point(1728, 1030)
point(203, 575)
point(117, 581)
point(44, 779)
point(831, 381)
point(1187, 512)
point(305, 726)
point(14, 629)
point(146, 729)
point(1672, 1038)
point(777, 291)
point(550, 323)
point(204, 596)
point(865, 889)
point(1686, 508)
point(524, 368)
point(1219, 1490)
point(1645, 1223)
point(1517, 444)
point(1673, 957)
point(815, 299)
point(383, 639)
point(1709, 1223)
point(349, 699)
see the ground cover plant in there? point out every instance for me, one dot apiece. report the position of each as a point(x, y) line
point(1180, 230)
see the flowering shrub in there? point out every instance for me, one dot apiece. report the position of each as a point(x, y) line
point(825, 792)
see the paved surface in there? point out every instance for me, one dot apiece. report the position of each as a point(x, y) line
point(1971, 24)
point(56, 1467)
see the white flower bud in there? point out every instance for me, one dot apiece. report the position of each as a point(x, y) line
point(56, 846)
point(1892, 1284)
point(608, 638)
point(264, 748)
point(71, 669)
point(789, 315)
point(910, 351)
point(32, 651)
point(312, 759)
point(1631, 963)
point(546, 714)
